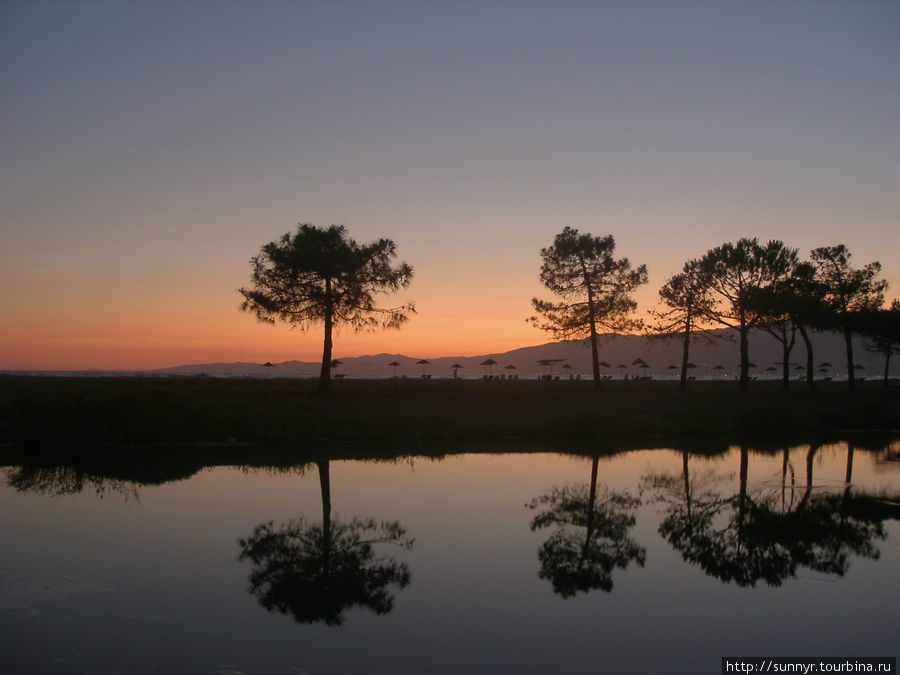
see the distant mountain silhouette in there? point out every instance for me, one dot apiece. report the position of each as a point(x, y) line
point(615, 349)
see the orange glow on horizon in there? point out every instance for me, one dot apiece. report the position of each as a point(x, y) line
point(147, 327)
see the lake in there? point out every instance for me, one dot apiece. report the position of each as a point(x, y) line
point(648, 561)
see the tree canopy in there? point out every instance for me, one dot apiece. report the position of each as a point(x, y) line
point(591, 539)
point(315, 572)
point(595, 287)
point(734, 273)
point(687, 303)
point(321, 275)
point(847, 291)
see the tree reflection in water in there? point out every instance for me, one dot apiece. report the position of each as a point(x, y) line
point(767, 535)
point(314, 573)
point(591, 539)
point(57, 481)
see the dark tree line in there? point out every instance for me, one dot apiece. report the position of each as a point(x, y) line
point(322, 276)
point(748, 285)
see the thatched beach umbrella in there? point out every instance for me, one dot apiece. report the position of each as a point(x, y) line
point(489, 366)
point(548, 364)
point(394, 364)
point(639, 362)
point(268, 365)
point(455, 368)
point(423, 363)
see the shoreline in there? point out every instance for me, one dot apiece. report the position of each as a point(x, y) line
point(226, 411)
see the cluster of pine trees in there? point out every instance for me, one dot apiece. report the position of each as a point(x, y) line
point(321, 275)
point(742, 285)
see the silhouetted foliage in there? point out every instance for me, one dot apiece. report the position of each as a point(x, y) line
point(591, 538)
point(788, 306)
point(883, 330)
point(57, 481)
point(70, 471)
point(322, 275)
point(688, 301)
point(596, 290)
point(314, 573)
point(733, 273)
point(848, 291)
point(746, 538)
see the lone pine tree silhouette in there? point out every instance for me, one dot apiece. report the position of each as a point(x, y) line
point(321, 275)
point(595, 288)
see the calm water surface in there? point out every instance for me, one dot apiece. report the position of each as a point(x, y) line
point(652, 561)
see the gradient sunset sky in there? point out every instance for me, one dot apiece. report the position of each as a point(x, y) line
point(150, 148)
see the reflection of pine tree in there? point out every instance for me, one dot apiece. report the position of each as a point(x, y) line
point(746, 538)
point(300, 570)
point(67, 480)
point(591, 539)
point(314, 573)
point(821, 531)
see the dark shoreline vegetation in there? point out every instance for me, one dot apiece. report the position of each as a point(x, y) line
point(51, 412)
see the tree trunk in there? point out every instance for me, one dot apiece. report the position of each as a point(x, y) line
point(685, 352)
point(745, 359)
point(851, 375)
point(325, 485)
point(810, 455)
point(592, 320)
point(742, 495)
point(810, 363)
point(687, 484)
point(592, 503)
point(786, 369)
point(848, 476)
point(325, 372)
point(595, 357)
point(785, 460)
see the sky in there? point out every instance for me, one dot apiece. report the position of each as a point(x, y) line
point(148, 149)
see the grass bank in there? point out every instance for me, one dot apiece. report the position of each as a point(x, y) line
point(82, 411)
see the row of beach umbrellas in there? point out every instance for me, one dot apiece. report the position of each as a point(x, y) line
point(548, 364)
